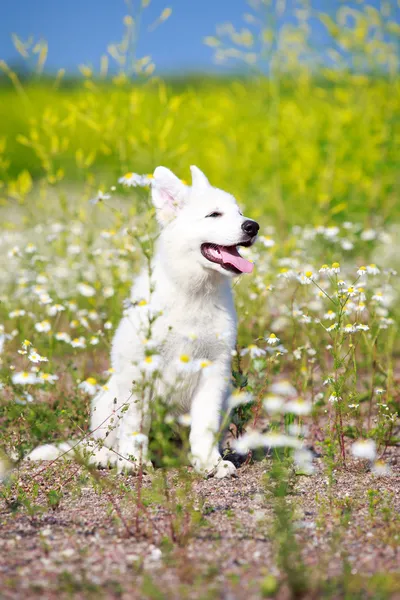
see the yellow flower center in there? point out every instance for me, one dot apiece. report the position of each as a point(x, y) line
point(142, 303)
point(309, 274)
point(128, 175)
point(335, 265)
point(91, 380)
point(148, 359)
point(184, 358)
point(204, 364)
point(272, 336)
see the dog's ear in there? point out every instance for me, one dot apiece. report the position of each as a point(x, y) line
point(168, 194)
point(199, 180)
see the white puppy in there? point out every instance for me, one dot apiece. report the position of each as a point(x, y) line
point(184, 304)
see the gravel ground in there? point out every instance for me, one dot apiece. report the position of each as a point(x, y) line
point(93, 543)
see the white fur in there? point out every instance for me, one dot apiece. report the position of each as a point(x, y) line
point(193, 299)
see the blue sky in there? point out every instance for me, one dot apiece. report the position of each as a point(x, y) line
point(78, 31)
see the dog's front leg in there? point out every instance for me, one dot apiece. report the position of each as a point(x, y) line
point(133, 427)
point(206, 412)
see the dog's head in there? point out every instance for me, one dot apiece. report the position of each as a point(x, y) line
point(201, 225)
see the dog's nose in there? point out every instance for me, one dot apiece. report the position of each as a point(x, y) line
point(250, 227)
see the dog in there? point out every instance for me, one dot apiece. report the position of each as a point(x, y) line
point(184, 302)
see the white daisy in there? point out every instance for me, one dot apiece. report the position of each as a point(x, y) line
point(273, 404)
point(305, 278)
point(78, 342)
point(89, 386)
point(100, 197)
point(239, 398)
point(272, 339)
point(135, 180)
point(303, 459)
point(368, 235)
point(47, 377)
point(253, 350)
point(347, 245)
point(45, 299)
point(254, 439)
point(283, 388)
point(298, 430)
point(364, 449)
point(381, 469)
point(17, 313)
point(62, 336)
point(55, 309)
point(43, 326)
point(140, 440)
point(362, 271)
point(335, 268)
point(185, 364)
point(24, 378)
point(330, 315)
point(298, 407)
point(15, 251)
point(185, 420)
point(151, 363)
point(266, 241)
point(350, 328)
point(333, 398)
point(108, 292)
point(86, 290)
point(35, 357)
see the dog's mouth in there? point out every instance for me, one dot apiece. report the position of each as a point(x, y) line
point(228, 257)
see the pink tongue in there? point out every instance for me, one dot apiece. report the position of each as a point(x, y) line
point(232, 257)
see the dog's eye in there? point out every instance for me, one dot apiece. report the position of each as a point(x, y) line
point(214, 214)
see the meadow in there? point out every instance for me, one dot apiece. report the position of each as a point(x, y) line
point(312, 154)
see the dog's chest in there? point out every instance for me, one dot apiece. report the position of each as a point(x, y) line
point(207, 332)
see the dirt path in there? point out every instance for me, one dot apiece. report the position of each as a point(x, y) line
point(81, 548)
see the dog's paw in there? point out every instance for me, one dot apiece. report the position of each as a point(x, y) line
point(223, 469)
point(219, 469)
